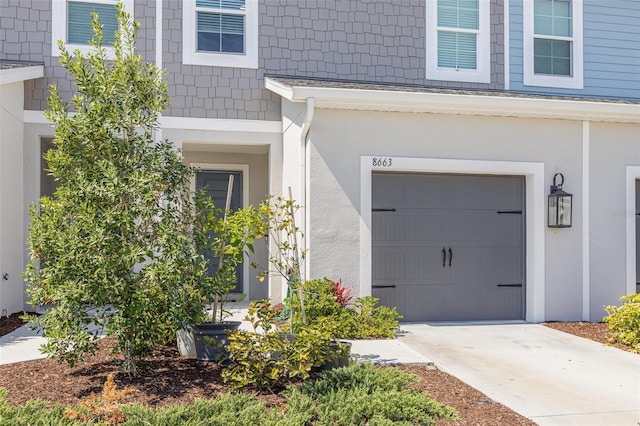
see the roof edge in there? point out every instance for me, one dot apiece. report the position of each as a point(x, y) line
point(21, 73)
point(392, 99)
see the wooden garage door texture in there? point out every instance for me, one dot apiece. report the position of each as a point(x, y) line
point(449, 247)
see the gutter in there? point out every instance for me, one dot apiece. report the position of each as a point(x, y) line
point(304, 172)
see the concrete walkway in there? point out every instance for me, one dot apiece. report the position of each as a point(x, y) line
point(546, 375)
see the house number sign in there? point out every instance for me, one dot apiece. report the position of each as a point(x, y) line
point(382, 161)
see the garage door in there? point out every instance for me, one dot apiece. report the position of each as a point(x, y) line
point(449, 247)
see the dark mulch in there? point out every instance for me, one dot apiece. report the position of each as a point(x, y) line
point(10, 323)
point(166, 378)
point(596, 331)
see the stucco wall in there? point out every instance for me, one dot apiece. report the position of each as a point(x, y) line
point(11, 221)
point(339, 138)
point(613, 147)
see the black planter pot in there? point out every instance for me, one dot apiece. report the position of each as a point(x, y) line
point(211, 338)
point(337, 361)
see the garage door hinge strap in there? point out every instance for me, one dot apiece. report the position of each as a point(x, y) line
point(384, 286)
point(383, 210)
point(509, 285)
point(509, 212)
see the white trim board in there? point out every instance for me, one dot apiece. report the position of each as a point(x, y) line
point(20, 74)
point(396, 100)
point(534, 221)
point(633, 174)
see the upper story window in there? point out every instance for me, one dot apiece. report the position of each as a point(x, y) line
point(220, 33)
point(553, 43)
point(72, 23)
point(458, 40)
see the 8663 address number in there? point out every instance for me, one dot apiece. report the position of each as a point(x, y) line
point(382, 161)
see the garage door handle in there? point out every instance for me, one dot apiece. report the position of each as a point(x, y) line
point(444, 257)
point(450, 256)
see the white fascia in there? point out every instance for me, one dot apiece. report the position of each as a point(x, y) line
point(59, 27)
point(574, 81)
point(15, 75)
point(483, 72)
point(459, 104)
point(534, 217)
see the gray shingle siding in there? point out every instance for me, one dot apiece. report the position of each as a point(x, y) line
point(366, 40)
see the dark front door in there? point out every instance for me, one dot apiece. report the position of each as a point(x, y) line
point(215, 184)
point(449, 247)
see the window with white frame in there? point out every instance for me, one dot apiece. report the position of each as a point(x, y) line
point(220, 33)
point(552, 31)
point(458, 40)
point(72, 23)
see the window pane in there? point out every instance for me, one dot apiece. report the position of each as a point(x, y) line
point(221, 4)
point(552, 57)
point(447, 49)
point(458, 14)
point(562, 27)
point(79, 29)
point(220, 33)
point(552, 17)
point(467, 51)
point(457, 50)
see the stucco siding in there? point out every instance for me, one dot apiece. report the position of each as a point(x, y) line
point(612, 148)
point(611, 50)
point(339, 138)
point(11, 202)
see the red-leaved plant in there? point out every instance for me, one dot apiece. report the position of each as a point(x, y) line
point(341, 294)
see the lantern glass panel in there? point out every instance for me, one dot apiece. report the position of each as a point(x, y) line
point(564, 211)
point(553, 220)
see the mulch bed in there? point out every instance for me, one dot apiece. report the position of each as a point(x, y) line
point(167, 378)
point(596, 331)
point(10, 323)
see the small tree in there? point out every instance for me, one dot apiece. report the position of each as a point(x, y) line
point(114, 245)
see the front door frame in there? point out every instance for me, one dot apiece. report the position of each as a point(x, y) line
point(220, 167)
point(534, 207)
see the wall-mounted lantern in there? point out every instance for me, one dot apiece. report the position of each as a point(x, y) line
point(560, 202)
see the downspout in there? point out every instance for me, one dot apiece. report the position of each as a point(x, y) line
point(304, 176)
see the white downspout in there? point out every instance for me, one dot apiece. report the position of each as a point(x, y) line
point(304, 178)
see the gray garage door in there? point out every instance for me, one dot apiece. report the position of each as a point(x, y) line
point(449, 247)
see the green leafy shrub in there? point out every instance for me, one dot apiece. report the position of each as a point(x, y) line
point(363, 394)
point(624, 321)
point(267, 357)
point(115, 244)
point(364, 319)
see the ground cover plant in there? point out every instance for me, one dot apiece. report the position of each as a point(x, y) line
point(357, 395)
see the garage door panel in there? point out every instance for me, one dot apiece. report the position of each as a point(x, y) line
point(478, 219)
point(408, 225)
point(451, 303)
point(400, 264)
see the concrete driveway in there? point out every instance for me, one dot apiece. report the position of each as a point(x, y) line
point(549, 376)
